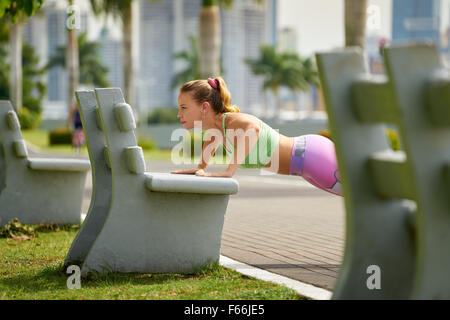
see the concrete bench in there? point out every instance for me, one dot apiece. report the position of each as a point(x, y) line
point(397, 203)
point(156, 222)
point(101, 180)
point(421, 87)
point(36, 190)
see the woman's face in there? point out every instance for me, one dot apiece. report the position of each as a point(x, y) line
point(188, 110)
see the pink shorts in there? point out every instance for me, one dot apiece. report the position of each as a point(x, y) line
point(314, 158)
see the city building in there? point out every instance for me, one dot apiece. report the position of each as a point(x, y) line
point(111, 57)
point(165, 29)
point(416, 20)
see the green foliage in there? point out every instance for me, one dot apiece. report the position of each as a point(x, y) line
point(194, 139)
point(163, 115)
point(192, 70)
point(392, 135)
point(147, 143)
point(60, 136)
point(4, 73)
point(50, 227)
point(113, 7)
point(191, 59)
point(14, 9)
point(92, 70)
point(34, 88)
point(283, 69)
point(14, 229)
point(29, 119)
point(393, 138)
point(227, 4)
point(199, 139)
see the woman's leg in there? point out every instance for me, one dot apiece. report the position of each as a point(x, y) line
point(314, 158)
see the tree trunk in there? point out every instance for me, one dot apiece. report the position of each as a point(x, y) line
point(127, 55)
point(72, 65)
point(355, 22)
point(15, 42)
point(210, 41)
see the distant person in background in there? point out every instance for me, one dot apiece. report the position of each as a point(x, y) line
point(74, 121)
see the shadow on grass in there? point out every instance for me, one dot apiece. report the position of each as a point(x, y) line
point(54, 278)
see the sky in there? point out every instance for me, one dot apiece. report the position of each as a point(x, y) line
point(320, 23)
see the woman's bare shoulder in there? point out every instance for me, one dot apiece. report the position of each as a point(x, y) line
point(236, 120)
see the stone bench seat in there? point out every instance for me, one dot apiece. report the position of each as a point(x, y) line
point(48, 164)
point(186, 183)
point(36, 190)
point(142, 221)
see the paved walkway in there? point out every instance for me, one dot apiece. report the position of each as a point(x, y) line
point(278, 223)
point(286, 228)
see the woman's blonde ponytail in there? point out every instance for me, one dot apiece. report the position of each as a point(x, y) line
point(214, 91)
point(225, 96)
point(232, 109)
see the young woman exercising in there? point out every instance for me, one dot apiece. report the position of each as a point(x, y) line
point(252, 143)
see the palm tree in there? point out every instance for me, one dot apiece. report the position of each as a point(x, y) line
point(283, 69)
point(92, 71)
point(72, 59)
point(191, 58)
point(355, 22)
point(210, 36)
point(16, 11)
point(192, 70)
point(122, 9)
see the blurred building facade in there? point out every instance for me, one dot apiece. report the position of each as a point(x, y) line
point(165, 29)
point(416, 20)
point(161, 29)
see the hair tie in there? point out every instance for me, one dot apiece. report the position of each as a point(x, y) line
point(212, 83)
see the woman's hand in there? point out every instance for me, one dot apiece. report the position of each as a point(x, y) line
point(222, 174)
point(188, 171)
point(201, 172)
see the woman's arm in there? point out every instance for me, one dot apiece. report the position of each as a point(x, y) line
point(208, 150)
point(244, 139)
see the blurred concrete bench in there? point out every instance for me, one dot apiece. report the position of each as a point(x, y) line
point(397, 203)
point(421, 86)
point(156, 222)
point(37, 190)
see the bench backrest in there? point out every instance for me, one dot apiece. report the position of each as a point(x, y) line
point(117, 117)
point(377, 231)
point(101, 179)
point(14, 147)
point(422, 94)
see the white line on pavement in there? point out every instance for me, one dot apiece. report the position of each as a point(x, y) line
point(303, 289)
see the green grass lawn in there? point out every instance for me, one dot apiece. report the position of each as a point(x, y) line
point(32, 269)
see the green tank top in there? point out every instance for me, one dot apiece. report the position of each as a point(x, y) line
point(259, 156)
